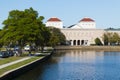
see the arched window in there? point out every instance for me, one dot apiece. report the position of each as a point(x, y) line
point(74, 42)
point(82, 42)
point(78, 42)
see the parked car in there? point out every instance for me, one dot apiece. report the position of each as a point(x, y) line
point(16, 48)
point(4, 54)
point(11, 53)
point(27, 48)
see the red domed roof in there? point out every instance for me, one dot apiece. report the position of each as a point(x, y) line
point(86, 20)
point(54, 19)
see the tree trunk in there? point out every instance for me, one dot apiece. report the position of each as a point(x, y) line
point(42, 48)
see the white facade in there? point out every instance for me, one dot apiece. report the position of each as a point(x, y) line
point(85, 23)
point(54, 22)
point(82, 36)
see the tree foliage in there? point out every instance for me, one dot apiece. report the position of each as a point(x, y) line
point(23, 27)
point(111, 38)
point(57, 37)
point(105, 39)
point(98, 41)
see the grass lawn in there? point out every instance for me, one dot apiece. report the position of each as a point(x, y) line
point(9, 59)
point(17, 65)
point(13, 58)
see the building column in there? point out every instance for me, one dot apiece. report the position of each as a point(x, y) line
point(71, 42)
point(80, 42)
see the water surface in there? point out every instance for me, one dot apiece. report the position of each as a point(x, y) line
point(77, 65)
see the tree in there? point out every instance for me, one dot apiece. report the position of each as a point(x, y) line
point(105, 39)
point(43, 41)
point(115, 38)
point(24, 27)
point(98, 41)
point(54, 40)
point(111, 38)
point(57, 37)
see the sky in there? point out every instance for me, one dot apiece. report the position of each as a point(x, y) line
point(106, 13)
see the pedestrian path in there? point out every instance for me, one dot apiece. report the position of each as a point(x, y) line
point(14, 62)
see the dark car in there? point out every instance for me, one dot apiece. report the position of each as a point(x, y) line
point(16, 48)
point(11, 53)
point(4, 54)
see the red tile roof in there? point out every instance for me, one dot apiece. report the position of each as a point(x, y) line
point(54, 19)
point(86, 20)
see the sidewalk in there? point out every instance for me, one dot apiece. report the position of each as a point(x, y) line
point(14, 62)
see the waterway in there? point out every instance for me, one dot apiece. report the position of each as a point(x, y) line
point(77, 65)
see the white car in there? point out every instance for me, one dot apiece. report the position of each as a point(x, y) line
point(27, 48)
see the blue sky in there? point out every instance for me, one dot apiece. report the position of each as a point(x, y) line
point(106, 13)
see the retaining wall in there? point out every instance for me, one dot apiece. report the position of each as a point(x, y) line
point(106, 48)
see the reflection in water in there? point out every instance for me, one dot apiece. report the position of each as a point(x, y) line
point(77, 65)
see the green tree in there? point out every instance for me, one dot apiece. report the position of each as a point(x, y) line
point(115, 38)
point(54, 40)
point(23, 27)
point(111, 38)
point(57, 37)
point(43, 41)
point(98, 41)
point(105, 39)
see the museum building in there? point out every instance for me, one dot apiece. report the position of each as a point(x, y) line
point(83, 33)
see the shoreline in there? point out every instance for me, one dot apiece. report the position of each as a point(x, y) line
point(105, 48)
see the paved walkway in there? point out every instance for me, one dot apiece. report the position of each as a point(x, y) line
point(14, 62)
